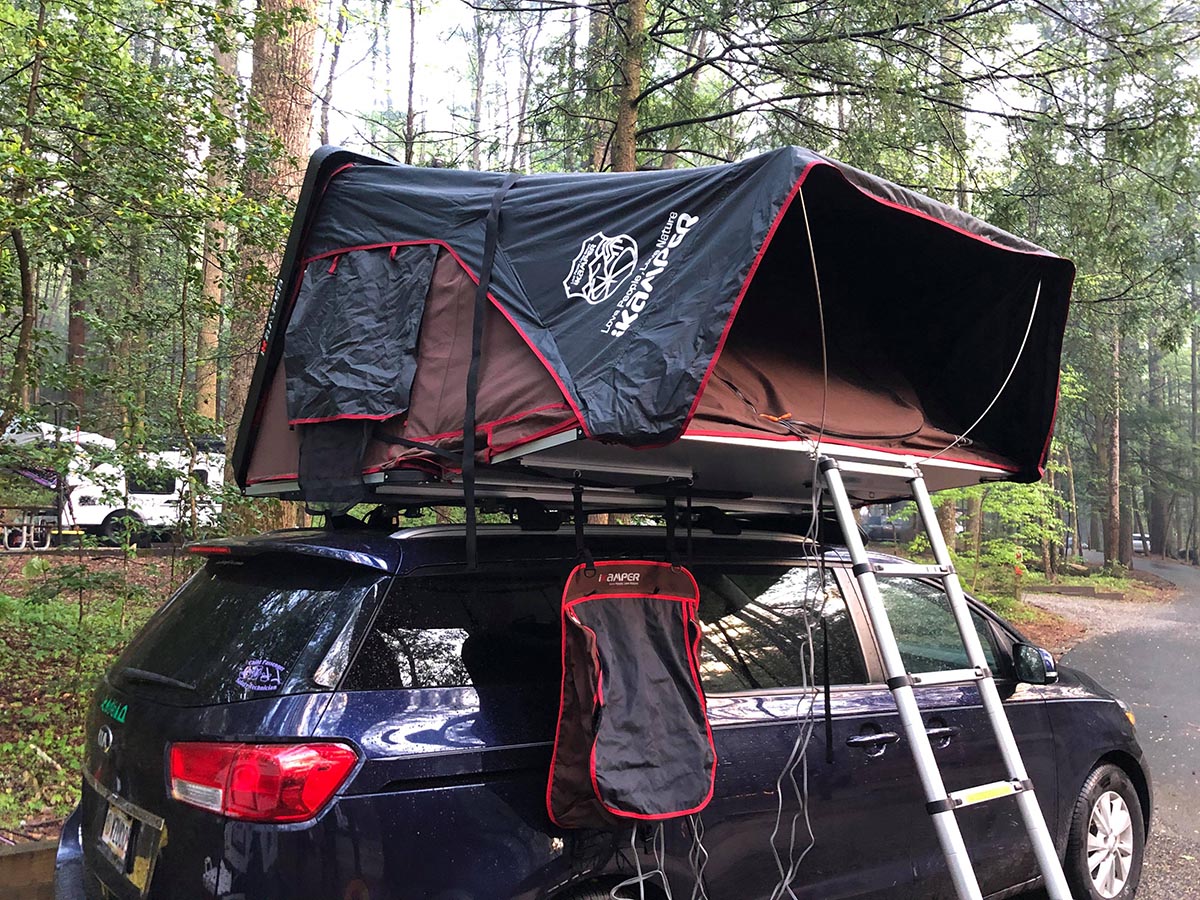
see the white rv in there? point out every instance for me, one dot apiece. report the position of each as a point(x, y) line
point(154, 494)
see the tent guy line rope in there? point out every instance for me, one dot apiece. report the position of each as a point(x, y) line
point(805, 721)
point(1020, 352)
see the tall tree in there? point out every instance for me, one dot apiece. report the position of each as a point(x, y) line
point(281, 92)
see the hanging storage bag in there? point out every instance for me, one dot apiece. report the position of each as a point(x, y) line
point(633, 739)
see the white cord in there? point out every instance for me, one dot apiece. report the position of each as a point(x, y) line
point(1020, 351)
point(698, 857)
point(658, 846)
point(798, 758)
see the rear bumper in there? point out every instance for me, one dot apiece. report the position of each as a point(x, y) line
point(68, 863)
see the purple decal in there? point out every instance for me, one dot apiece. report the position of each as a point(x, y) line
point(261, 675)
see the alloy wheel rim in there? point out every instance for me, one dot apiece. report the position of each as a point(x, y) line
point(1110, 844)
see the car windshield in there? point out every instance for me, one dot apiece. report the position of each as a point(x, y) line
point(241, 629)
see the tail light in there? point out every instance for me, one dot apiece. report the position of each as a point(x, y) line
point(259, 782)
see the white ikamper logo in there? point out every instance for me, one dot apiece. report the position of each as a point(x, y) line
point(621, 577)
point(640, 291)
point(601, 267)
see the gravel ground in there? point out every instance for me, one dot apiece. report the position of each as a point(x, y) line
point(1172, 864)
point(1100, 617)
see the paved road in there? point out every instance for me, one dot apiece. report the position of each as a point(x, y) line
point(1155, 667)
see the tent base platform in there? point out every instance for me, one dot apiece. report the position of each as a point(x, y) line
point(736, 474)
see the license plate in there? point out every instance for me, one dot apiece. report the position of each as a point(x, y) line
point(117, 829)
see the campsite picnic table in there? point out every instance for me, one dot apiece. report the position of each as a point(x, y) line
point(27, 527)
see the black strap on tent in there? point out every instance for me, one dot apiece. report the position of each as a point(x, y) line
point(671, 520)
point(417, 445)
point(491, 238)
point(690, 556)
point(581, 551)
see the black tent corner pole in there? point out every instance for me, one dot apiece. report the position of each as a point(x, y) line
point(671, 520)
point(580, 517)
point(491, 239)
point(688, 514)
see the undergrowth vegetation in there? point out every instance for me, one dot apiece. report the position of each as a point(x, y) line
point(63, 619)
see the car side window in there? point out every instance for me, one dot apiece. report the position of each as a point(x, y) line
point(925, 628)
point(765, 628)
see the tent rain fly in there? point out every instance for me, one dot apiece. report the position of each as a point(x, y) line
point(678, 312)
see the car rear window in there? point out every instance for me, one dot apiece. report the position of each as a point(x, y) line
point(240, 629)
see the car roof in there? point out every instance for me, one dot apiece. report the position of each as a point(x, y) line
point(407, 549)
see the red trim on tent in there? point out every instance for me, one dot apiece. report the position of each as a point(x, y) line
point(771, 234)
point(562, 694)
point(737, 303)
point(319, 419)
point(487, 426)
point(553, 429)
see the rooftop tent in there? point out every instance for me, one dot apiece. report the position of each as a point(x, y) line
point(644, 325)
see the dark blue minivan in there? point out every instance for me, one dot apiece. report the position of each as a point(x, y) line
point(351, 714)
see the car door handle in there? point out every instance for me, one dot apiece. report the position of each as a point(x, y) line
point(942, 735)
point(873, 740)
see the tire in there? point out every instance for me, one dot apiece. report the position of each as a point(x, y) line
point(1107, 818)
point(123, 526)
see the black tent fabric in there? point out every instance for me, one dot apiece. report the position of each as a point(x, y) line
point(633, 739)
point(626, 289)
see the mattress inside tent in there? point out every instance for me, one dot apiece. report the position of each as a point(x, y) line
point(888, 348)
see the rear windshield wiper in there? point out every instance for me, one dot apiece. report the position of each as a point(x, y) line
point(147, 677)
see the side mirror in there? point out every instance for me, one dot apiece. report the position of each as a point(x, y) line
point(1034, 665)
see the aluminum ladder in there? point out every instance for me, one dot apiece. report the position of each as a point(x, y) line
point(940, 804)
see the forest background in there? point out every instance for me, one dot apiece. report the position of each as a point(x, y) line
point(151, 153)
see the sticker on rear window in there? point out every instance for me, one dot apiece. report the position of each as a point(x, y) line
point(261, 675)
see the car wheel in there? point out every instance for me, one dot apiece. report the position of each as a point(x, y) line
point(1104, 849)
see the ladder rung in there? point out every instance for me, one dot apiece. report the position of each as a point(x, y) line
point(985, 792)
point(906, 471)
point(951, 676)
point(910, 570)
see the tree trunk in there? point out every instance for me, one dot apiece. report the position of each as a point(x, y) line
point(19, 382)
point(1112, 443)
point(410, 117)
point(339, 34)
point(479, 64)
point(77, 330)
point(18, 390)
point(975, 518)
point(209, 329)
point(527, 54)
point(1156, 450)
point(947, 517)
point(281, 84)
point(572, 79)
point(599, 29)
point(1076, 532)
point(629, 86)
point(1048, 566)
point(1195, 420)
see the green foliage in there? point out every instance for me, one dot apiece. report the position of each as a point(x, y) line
point(63, 624)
